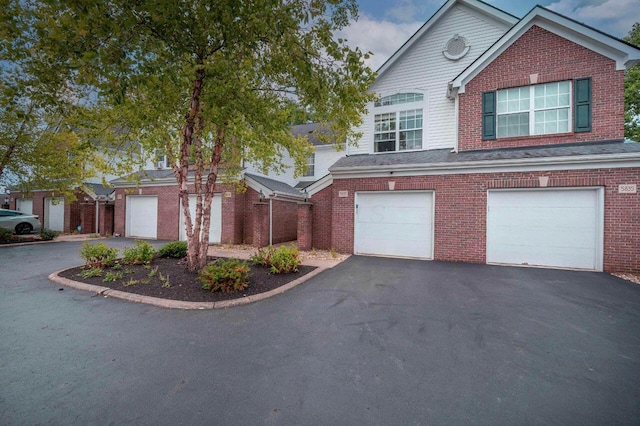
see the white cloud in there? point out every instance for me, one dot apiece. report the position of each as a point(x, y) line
point(615, 17)
point(382, 38)
point(408, 10)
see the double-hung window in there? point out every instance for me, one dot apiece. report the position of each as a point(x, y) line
point(534, 110)
point(398, 122)
point(542, 109)
point(311, 162)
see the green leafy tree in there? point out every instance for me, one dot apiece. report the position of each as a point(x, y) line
point(38, 147)
point(632, 91)
point(209, 83)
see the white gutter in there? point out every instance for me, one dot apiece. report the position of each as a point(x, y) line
point(97, 216)
point(620, 160)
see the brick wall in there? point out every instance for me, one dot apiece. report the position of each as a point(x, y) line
point(322, 221)
point(552, 58)
point(285, 221)
point(460, 210)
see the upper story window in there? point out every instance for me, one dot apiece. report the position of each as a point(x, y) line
point(398, 128)
point(534, 110)
point(543, 109)
point(311, 165)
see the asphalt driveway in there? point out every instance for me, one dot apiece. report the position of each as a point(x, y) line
point(371, 341)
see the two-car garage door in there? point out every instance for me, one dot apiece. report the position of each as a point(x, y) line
point(142, 217)
point(559, 228)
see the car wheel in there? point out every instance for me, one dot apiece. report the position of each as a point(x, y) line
point(23, 228)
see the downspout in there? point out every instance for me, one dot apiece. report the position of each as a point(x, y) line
point(456, 115)
point(270, 221)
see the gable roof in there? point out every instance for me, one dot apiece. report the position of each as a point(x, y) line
point(271, 186)
point(480, 6)
point(624, 54)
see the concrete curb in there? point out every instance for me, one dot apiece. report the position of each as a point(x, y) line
point(56, 240)
point(178, 304)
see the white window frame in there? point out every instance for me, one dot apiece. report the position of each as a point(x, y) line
point(397, 109)
point(310, 170)
point(532, 110)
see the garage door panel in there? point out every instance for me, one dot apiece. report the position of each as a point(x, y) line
point(142, 216)
point(394, 224)
point(557, 228)
point(215, 228)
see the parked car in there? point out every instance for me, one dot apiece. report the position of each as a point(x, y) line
point(19, 222)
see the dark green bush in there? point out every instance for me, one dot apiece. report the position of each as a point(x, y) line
point(175, 249)
point(226, 276)
point(285, 259)
point(140, 254)
point(47, 234)
point(5, 235)
point(98, 256)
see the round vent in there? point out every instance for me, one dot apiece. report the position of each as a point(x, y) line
point(456, 48)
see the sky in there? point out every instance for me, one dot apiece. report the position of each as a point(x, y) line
point(384, 25)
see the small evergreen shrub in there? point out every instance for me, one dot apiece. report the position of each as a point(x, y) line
point(285, 260)
point(5, 235)
point(47, 234)
point(98, 256)
point(174, 249)
point(140, 254)
point(226, 276)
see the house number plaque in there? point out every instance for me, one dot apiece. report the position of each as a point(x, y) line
point(627, 189)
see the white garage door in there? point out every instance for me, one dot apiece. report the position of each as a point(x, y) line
point(394, 224)
point(142, 216)
point(24, 205)
point(215, 228)
point(555, 228)
point(54, 214)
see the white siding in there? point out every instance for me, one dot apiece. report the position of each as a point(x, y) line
point(325, 157)
point(424, 67)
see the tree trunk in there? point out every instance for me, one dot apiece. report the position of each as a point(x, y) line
point(195, 260)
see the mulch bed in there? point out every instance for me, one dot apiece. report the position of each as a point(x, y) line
point(184, 285)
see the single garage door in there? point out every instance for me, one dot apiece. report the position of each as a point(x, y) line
point(554, 228)
point(142, 216)
point(215, 228)
point(24, 205)
point(394, 224)
point(54, 214)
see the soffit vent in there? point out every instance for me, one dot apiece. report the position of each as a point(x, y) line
point(456, 48)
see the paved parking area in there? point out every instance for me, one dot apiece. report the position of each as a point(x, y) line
point(371, 341)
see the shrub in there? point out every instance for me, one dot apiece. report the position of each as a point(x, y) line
point(175, 249)
point(263, 256)
point(285, 260)
point(141, 253)
point(5, 235)
point(226, 276)
point(98, 256)
point(47, 234)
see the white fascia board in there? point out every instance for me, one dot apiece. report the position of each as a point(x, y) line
point(319, 185)
point(474, 4)
point(583, 162)
point(603, 44)
point(276, 195)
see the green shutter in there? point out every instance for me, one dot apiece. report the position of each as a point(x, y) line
point(488, 115)
point(582, 107)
